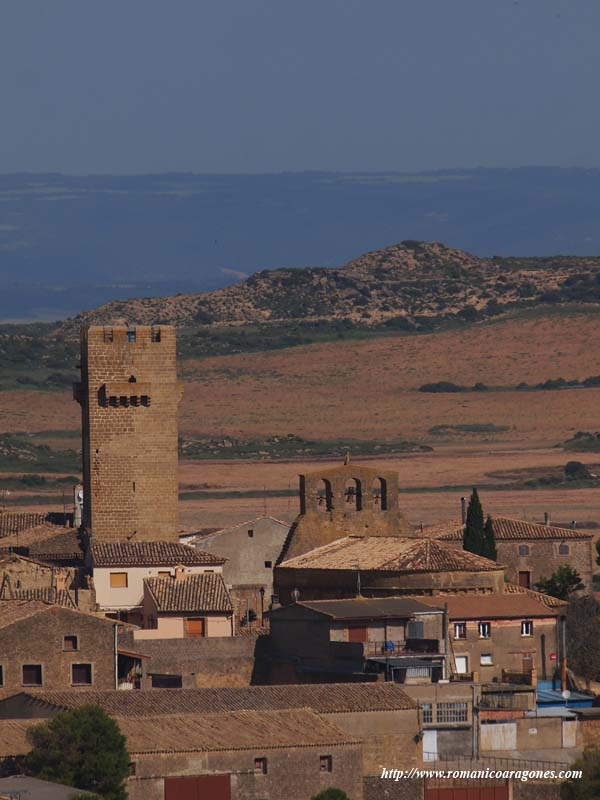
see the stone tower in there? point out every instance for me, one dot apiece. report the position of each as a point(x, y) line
point(129, 396)
point(349, 500)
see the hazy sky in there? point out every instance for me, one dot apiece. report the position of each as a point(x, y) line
point(127, 86)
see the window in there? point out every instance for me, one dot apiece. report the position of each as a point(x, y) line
point(194, 626)
point(70, 643)
point(460, 630)
point(32, 674)
point(118, 580)
point(325, 764)
point(260, 766)
point(164, 573)
point(462, 663)
point(268, 564)
point(563, 549)
point(427, 713)
point(523, 549)
point(451, 712)
point(81, 674)
point(132, 768)
point(154, 334)
point(167, 681)
point(1, 675)
point(414, 630)
point(526, 627)
point(485, 630)
point(108, 335)
point(250, 534)
point(486, 660)
point(131, 335)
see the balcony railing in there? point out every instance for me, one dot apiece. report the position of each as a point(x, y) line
point(404, 647)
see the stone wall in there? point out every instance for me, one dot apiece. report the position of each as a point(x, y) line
point(129, 396)
point(293, 773)
point(39, 639)
point(544, 558)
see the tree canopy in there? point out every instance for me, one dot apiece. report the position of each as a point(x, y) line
point(478, 537)
point(83, 748)
point(588, 786)
point(583, 637)
point(331, 794)
point(562, 583)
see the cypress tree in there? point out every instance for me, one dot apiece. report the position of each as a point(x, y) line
point(474, 535)
point(489, 540)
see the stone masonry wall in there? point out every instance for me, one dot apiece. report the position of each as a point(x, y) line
point(129, 396)
point(40, 640)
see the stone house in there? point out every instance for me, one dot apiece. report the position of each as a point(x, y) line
point(379, 566)
point(27, 578)
point(119, 570)
point(383, 715)
point(531, 551)
point(44, 646)
point(396, 638)
point(184, 605)
point(447, 718)
point(514, 636)
point(251, 549)
point(231, 755)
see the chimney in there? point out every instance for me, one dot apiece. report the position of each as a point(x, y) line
point(547, 518)
point(463, 509)
point(179, 572)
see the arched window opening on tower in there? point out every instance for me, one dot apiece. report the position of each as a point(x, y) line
point(353, 495)
point(324, 496)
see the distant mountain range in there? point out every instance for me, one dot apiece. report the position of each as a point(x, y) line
point(70, 243)
point(411, 286)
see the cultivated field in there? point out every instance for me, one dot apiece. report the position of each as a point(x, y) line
point(367, 389)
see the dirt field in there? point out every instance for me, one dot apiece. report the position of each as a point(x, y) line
point(367, 389)
point(448, 466)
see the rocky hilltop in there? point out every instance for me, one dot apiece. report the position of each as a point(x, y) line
point(408, 285)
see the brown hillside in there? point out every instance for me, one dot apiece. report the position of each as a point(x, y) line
point(415, 283)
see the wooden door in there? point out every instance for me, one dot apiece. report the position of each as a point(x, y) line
point(527, 663)
point(525, 580)
point(357, 633)
point(194, 626)
point(198, 787)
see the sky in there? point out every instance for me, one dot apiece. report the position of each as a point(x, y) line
point(253, 86)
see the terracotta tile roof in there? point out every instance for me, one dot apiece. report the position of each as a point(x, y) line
point(364, 607)
point(492, 606)
point(64, 546)
point(32, 536)
point(12, 611)
point(232, 730)
point(390, 554)
point(507, 529)
point(15, 522)
point(321, 698)
point(546, 599)
point(13, 736)
point(47, 595)
point(135, 554)
point(204, 592)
